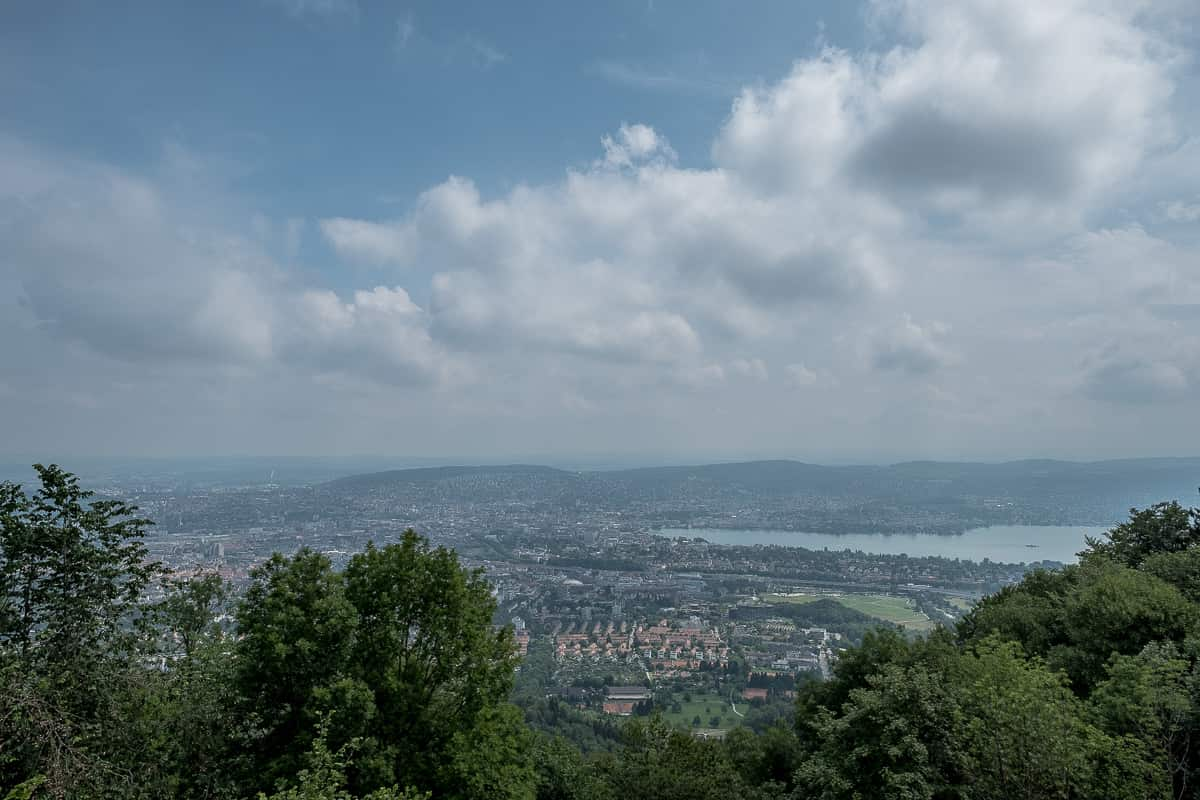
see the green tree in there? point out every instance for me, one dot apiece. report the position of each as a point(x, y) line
point(767, 760)
point(983, 722)
point(72, 574)
point(401, 646)
point(491, 758)
point(1026, 734)
point(1162, 528)
point(1181, 569)
point(1031, 612)
point(427, 650)
point(1152, 698)
point(324, 776)
point(296, 632)
point(179, 737)
point(899, 736)
point(563, 774)
point(191, 607)
point(178, 732)
point(1078, 618)
point(660, 763)
point(26, 789)
point(1117, 610)
point(852, 671)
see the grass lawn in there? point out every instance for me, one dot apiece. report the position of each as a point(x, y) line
point(889, 609)
point(899, 610)
point(717, 706)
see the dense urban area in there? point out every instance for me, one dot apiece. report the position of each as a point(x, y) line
point(613, 617)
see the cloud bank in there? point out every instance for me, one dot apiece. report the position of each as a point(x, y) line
point(936, 223)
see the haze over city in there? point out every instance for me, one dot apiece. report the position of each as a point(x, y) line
point(637, 232)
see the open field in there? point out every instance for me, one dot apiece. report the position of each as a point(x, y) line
point(898, 610)
point(706, 706)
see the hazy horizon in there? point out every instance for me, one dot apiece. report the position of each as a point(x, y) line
point(558, 461)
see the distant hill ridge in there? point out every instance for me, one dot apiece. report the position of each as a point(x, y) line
point(786, 476)
point(434, 474)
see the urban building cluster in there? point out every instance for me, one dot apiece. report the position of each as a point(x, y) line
point(626, 618)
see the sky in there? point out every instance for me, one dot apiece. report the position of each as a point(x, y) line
point(628, 231)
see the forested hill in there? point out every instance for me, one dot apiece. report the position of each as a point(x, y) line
point(793, 494)
point(428, 475)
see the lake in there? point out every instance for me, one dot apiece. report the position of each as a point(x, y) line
point(1005, 543)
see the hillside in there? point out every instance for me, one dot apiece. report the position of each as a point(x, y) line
point(936, 496)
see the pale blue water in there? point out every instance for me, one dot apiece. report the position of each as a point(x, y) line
point(1005, 543)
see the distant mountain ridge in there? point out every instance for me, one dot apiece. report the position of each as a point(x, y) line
point(794, 495)
point(780, 473)
point(432, 474)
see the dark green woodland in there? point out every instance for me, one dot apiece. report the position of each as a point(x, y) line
point(387, 679)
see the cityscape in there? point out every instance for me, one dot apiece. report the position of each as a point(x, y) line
point(616, 608)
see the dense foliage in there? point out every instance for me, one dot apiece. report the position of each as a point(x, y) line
point(384, 680)
point(1081, 682)
point(387, 680)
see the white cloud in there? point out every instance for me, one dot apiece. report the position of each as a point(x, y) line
point(823, 213)
point(955, 197)
point(700, 377)
point(641, 77)
point(366, 240)
point(636, 145)
point(754, 368)
point(380, 334)
point(909, 347)
point(1181, 211)
point(484, 54)
point(800, 376)
point(99, 261)
point(411, 42)
point(104, 261)
point(1116, 376)
point(405, 28)
point(317, 8)
point(1020, 113)
point(1115, 270)
point(632, 256)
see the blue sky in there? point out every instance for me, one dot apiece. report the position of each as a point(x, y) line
point(324, 106)
point(826, 230)
point(303, 109)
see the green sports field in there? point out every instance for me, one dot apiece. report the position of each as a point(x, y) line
point(898, 610)
point(705, 706)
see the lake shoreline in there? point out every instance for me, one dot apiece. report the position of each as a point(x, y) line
point(1011, 544)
